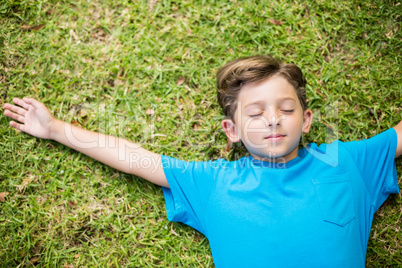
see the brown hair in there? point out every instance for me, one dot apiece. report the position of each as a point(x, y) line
point(236, 73)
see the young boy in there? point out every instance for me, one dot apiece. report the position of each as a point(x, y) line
point(279, 207)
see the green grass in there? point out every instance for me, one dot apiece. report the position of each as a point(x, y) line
point(104, 64)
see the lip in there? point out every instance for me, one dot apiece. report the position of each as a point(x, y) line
point(275, 137)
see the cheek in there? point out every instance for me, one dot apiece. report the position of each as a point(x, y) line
point(258, 124)
point(254, 123)
point(252, 129)
point(293, 121)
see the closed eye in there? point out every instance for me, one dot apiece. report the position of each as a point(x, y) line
point(288, 111)
point(256, 115)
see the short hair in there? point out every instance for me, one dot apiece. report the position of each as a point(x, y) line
point(239, 72)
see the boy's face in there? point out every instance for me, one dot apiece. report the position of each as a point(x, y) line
point(269, 120)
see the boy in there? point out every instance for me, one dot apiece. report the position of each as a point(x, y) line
point(279, 207)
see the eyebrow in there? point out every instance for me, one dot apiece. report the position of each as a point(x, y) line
point(279, 100)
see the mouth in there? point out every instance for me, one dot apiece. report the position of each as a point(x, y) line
point(275, 137)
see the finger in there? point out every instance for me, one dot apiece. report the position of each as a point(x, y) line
point(16, 109)
point(17, 126)
point(21, 103)
point(33, 102)
point(6, 105)
point(14, 116)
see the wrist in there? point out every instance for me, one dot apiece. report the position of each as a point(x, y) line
point(56, 128)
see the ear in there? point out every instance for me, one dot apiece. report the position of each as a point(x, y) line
point(307, 120)
point(231, 130)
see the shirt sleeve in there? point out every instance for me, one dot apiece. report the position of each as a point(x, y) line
point(375, 159)
point(190, 185)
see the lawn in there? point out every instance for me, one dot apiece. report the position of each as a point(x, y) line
point(145, 71)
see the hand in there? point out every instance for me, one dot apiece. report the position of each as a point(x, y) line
point(33, 117)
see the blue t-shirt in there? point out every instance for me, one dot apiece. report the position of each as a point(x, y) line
point(313, 211)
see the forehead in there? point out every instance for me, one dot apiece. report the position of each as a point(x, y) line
point(273, 89)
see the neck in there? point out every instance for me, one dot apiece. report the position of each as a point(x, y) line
point(280, 159)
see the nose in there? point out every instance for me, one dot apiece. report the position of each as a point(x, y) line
point(273, 118)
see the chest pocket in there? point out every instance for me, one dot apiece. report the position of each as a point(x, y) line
point(335, 197)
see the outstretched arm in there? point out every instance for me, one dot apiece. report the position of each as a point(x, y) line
point(398, 129)
point(32, 117)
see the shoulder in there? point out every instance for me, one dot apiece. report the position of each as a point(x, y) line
point(383, 142)
point(361, 150)
point(387, 137)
